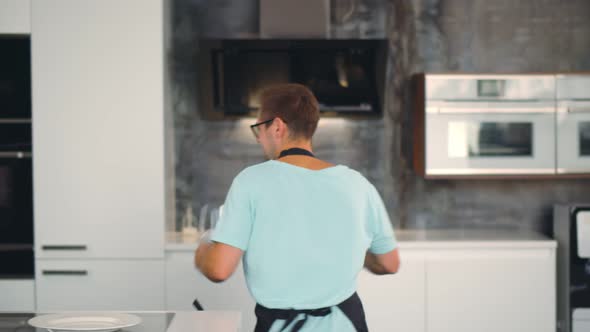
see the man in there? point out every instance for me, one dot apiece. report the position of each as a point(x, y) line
point(304, 226)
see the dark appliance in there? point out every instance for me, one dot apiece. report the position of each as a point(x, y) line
point(16, 216)
point(16, 173)
point(571, 229)
point(15, 77)
point(345, 75)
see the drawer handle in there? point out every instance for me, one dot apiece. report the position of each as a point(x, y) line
point(65, 272)
point(64, 247)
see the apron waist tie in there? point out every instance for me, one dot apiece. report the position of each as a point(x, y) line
point(351, 307)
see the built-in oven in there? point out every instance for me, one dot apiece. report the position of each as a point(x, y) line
point(16, 174)
point(489, 124)
point(573, 123)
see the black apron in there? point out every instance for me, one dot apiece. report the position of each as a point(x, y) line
point(352, 307)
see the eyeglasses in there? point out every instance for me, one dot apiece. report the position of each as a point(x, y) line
point(256, 129)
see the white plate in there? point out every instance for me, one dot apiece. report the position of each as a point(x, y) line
point(87, 321)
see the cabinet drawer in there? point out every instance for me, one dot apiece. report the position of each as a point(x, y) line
point(100, 285)
point(17, 295)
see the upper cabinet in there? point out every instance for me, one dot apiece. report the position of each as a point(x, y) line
point(15, 17)
point(98, 110)
point(501, 125)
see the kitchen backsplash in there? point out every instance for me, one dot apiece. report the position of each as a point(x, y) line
point(425, 35)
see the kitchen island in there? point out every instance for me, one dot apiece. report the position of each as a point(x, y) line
point(151, 321)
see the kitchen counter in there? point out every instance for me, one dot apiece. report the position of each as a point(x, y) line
point(430, 239)
point(151, 321)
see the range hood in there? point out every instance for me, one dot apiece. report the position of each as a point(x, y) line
point(294, 18)
point(347, 76)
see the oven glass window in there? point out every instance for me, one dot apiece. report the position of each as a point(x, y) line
point(584, 130)
point(490, 139)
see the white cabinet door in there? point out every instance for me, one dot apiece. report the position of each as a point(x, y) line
point(491, 290)
point(17, 295)
point(98, 128)
point(395, 302)
point(184, 283)
point(15, 17)
point(100, 285)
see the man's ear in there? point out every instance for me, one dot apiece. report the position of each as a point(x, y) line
point(282, 128)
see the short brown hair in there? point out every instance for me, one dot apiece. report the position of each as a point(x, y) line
point(293, 103)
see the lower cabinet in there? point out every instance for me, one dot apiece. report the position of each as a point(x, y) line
point(100, 285)
point(491, 290)
point(395, 302)
point(436, 289)
point(17, 295)
point(464, 290)
point(184, 284)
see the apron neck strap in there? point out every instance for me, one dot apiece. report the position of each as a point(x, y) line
point(295, 151)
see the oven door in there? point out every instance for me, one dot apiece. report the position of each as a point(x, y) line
point(16, 216)
point(16, 199)
point(490, 139)
point(573, 137)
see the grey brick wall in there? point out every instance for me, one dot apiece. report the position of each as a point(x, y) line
point(424, 35)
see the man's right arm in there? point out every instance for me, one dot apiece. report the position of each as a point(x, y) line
point(387, 263)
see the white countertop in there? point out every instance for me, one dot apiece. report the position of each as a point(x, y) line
point(429, 239)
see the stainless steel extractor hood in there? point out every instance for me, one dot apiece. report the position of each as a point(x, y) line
point(347, 76)
point(294, 18)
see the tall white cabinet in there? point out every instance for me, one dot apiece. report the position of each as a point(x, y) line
point(15, 17)
point(99, 170)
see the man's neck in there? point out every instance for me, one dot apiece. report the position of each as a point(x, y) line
point(301, 145)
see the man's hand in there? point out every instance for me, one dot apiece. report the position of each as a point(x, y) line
point(387, 263)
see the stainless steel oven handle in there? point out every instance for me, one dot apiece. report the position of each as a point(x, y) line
point(466, 110)
point(17, 154)
point(16, 247)
point(75, 247)
point(65, 272)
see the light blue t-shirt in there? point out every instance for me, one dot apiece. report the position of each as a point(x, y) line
point(304, 234)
